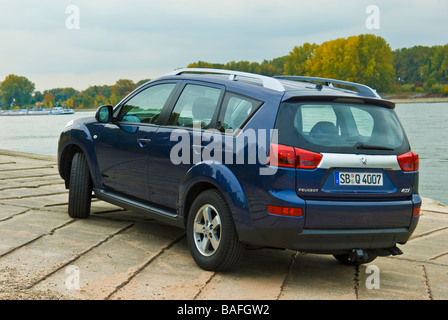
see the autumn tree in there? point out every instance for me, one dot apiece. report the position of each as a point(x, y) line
point(49, 100)
point(365, 59)
point(376, 62)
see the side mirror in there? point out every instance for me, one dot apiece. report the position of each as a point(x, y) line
point(104, 113)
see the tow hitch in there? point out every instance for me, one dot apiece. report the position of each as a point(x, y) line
point(358, 255)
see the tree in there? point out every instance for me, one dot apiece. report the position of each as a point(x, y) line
point(203, 64)
point(70, 103)
point(376, 61)
point(439, 64)
point(365, 59)
point(16, 90)
point(62, 93)
point(49, 100)
point(274, 67)
point(141, 82)
point(122, 88)
point(296, 61)
point(412, 64)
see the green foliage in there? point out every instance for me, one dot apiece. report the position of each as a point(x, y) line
point(445, 90)
point(365, 59)
point(412, 64)
point(15, 91)
point(296, 61)
point(61, 93)
point(21, 90)
point(123, 87)
point(267, 68)
point(419, 64)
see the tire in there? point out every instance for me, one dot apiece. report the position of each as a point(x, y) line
point(211, 234)
point(80, 188)
point(344, 258)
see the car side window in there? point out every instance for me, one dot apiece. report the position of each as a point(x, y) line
point(196, 104)
point(236, 110)
point(146, 106)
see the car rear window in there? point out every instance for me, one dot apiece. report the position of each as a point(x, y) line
point(341, 128)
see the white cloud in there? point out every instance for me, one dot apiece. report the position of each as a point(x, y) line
point(145, 39)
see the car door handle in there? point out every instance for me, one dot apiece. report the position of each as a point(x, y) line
point(142, 142)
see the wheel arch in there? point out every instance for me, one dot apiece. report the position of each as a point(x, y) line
point(65, 162)
point(206, 176)
point(66, 159)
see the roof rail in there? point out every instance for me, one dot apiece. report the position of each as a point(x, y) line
point(268, 82)
point(363, 89)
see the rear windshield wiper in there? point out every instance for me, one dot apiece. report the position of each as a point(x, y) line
point(372, 147)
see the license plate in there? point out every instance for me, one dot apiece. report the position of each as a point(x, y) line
point(358, 179)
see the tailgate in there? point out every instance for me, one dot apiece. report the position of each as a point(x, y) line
point(348, 177)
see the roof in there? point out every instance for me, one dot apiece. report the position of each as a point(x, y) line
point(295, 86)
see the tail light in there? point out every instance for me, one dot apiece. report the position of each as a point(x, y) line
point(290, 157)
point(306, 159)
point(409, 161)
point(282, 156)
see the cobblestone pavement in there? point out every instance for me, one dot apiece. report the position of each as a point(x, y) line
point(117, 254)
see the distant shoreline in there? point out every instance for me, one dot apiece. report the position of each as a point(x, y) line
point(415, 98)
point(418, 100)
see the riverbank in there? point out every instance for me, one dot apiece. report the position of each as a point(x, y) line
point(415, 98)
point(420, 100)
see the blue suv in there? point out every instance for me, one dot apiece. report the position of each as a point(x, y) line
point(238, 159)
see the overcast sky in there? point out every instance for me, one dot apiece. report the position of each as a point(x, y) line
point(140, 39)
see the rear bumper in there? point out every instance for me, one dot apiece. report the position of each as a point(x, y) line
point(358, 214)
point(347, 226)
point(335, 241)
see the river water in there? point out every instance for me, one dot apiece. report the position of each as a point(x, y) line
point(426, 125)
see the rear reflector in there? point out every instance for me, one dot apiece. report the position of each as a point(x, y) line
point(417, 211)
point(409, 161)
point(285, 211)
point(290, 157)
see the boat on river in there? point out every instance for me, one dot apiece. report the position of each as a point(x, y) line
point(14, 112)
point(36, 112)
point(61, 110)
